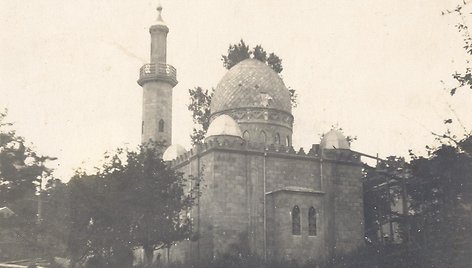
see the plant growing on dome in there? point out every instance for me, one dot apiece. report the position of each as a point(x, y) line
point(200, 99)
point(236, 54)
point(239, 52)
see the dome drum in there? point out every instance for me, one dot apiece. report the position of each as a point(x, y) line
point(258, 116)
point(267, 134)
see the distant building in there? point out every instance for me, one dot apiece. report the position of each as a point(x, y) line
point(259, 195)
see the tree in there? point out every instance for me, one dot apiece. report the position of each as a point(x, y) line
point(200, 100)
point(441, 201)
point(259, 54)
point(239, 52)
point(54, 222)
point(236, 54)
point(134, 200)
point(21, 169)
point(159, 202)
point(464, 78)
point(275, 63)
point(438, 187)
point(86, 207)
point(377, 204)
point(40, 223)
point(383, 189)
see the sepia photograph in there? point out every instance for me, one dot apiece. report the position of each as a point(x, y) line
point(235, 134)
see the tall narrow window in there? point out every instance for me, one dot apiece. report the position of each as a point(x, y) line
point(246, 135)
point(296, 221)
point(263, 137)
point(312, 221)
point(161, 125)
point(142, 127)
point(277, 138)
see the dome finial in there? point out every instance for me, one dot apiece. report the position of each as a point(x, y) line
point(159, 11)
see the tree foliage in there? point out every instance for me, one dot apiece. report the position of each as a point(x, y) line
point(463, 78)
point(237, 53)
point(241, 51)
point(21, 168)
point(134, 200)
point(200, 100)
point(382, 191)
point(37, 224)
point(441, 201)
point(438, 190)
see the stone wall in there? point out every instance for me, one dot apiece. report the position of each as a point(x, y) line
point(238, 180)
point(345, 199)
point(284, 171)
point(282, 244)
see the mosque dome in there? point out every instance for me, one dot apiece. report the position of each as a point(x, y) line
point(251, 84)
point(255, 96)
point(224, 125)
point(334, 139)
point(172, 152)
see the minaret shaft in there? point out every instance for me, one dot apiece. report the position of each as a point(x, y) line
point(157, 112)
point(158, 80)
point(158, 45)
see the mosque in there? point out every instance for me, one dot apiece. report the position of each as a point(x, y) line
point(259, 195)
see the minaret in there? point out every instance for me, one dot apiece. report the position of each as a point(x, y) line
point(157, 79)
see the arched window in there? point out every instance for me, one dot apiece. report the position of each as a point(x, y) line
point(296, 221)
point(312, 221)
point(161, 125)
point(277, 138)
point(287, 141)
point(263, 137)
point(246, 135)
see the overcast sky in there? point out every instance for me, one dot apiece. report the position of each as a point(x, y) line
point(68, 69)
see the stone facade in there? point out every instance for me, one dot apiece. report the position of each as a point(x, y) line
point(249, 191)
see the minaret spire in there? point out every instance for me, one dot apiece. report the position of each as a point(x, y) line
point(159, 13)
point(159, 33)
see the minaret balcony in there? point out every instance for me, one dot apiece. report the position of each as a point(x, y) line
point(157, 72)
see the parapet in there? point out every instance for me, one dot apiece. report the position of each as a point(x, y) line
point(241, 146)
